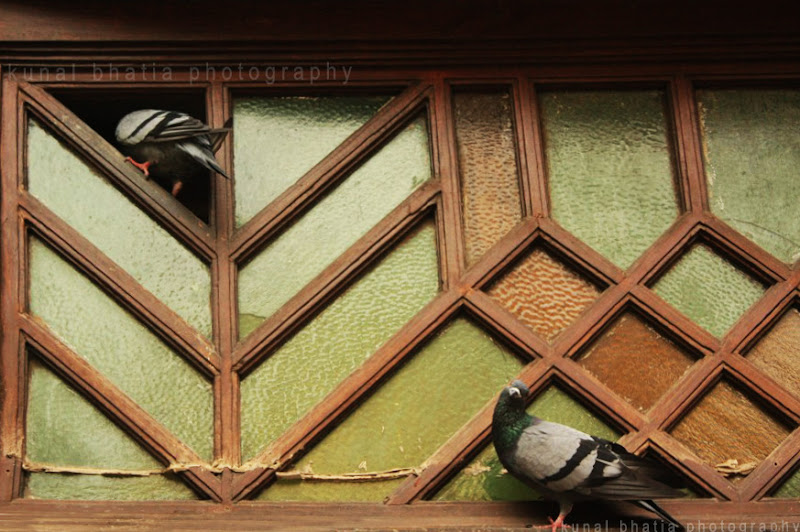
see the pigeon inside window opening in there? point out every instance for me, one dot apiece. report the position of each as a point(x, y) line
point(566, 465)
point(169, 146)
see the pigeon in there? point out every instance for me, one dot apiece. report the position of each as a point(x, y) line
point(171, 146)
point(567, 465)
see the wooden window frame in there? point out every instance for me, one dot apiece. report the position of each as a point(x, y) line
point(223, 246)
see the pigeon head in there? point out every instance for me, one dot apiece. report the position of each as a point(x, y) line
point(517, 392)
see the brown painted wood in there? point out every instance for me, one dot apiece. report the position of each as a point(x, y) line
point(119, 407)
point(390, 355)
point(691, 175)
point(119, 285)
point(532, 146)
point(328, 172)
point(318, 291)
point(168, 212)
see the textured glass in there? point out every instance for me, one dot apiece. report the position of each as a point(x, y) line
point(610, 169)
point(789, 489)
point(277, 140)
point(778, 353)
point(339, 339)
point(484, 478)
point(543, 293)
point(334, 224)
point(752, 156)
point(98, 487)
point(727, 425)
point(110, 339)
point(414, 412)
point(635, 361)
point(708, 289)
point(80, 196)
point(487, 165)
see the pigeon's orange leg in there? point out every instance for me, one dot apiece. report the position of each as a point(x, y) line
point(144, 167)
point(176, 188)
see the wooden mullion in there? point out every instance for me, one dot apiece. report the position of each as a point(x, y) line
point(167, 211)
point(773, 469)
point(13, 372)
point(119, 285)
point(532, 146)
point(691, 175)
point(119, 407)
point(328, 172)
point(789, 289)
point(443, 136)
point(764, 387)
point(456, 452)
point(502, 253)
point(389, 356)
point(227, 433)
point(315, 293)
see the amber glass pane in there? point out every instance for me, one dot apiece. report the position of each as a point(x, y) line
point(484, 480)
point(543, 293)
point(84, 199)
point(277, 140)
point(414, 413)
point(778, 353)
point(488, 168)
point(708, 289)
point(126, 352)
point(338, 340)
point(635, 361)
point(333, 225)
point(610, 169)
point(63, 429)
point(752, 156)
point(789, 489)
point(727, 425)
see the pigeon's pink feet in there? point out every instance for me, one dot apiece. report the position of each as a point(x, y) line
point(176, 188)
point(555, 525)
point(141, 166)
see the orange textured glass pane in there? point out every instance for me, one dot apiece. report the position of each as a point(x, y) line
point(488, 167)
point(727, 425)
point(635, 361)
point(778, 353)
point(543, 293)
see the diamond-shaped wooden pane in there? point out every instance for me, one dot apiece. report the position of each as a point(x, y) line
point(543, 293)
point(726, 425)
point(778, 353)
point(708, 289)
point(635, 361)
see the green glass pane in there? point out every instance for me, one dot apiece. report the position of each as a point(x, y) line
point(339, 339)
point(84, 199)
point(329, 491)
point(98, 487)
point(115, 343)
point(708, 289)
point(414, 412)
point(335, 223)
point(64, 429)
point(484, 478)
point(610, 168)
point(277, 140)
point(752, 156)
point(791, 488)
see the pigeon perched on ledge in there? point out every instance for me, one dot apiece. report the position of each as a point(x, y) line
point(168, 145)
point(567, 465)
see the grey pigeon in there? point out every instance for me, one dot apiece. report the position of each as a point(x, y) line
point(567, 465)
point(169, 145)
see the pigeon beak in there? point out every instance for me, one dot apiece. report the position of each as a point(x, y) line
point(514, 392)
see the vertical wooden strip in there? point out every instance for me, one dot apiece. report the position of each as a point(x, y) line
point(691, 178)
point(223, 300)
point(443, 140)
point(531, 148)
point(13, 372)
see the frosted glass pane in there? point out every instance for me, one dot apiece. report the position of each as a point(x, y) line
point(115, 343)
point(610, 168)
point(84, 199)
point(339, 339)
point(399, 426)
point(97, 487)
point(334, 224)
point(752, 156)
point(277, 140)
